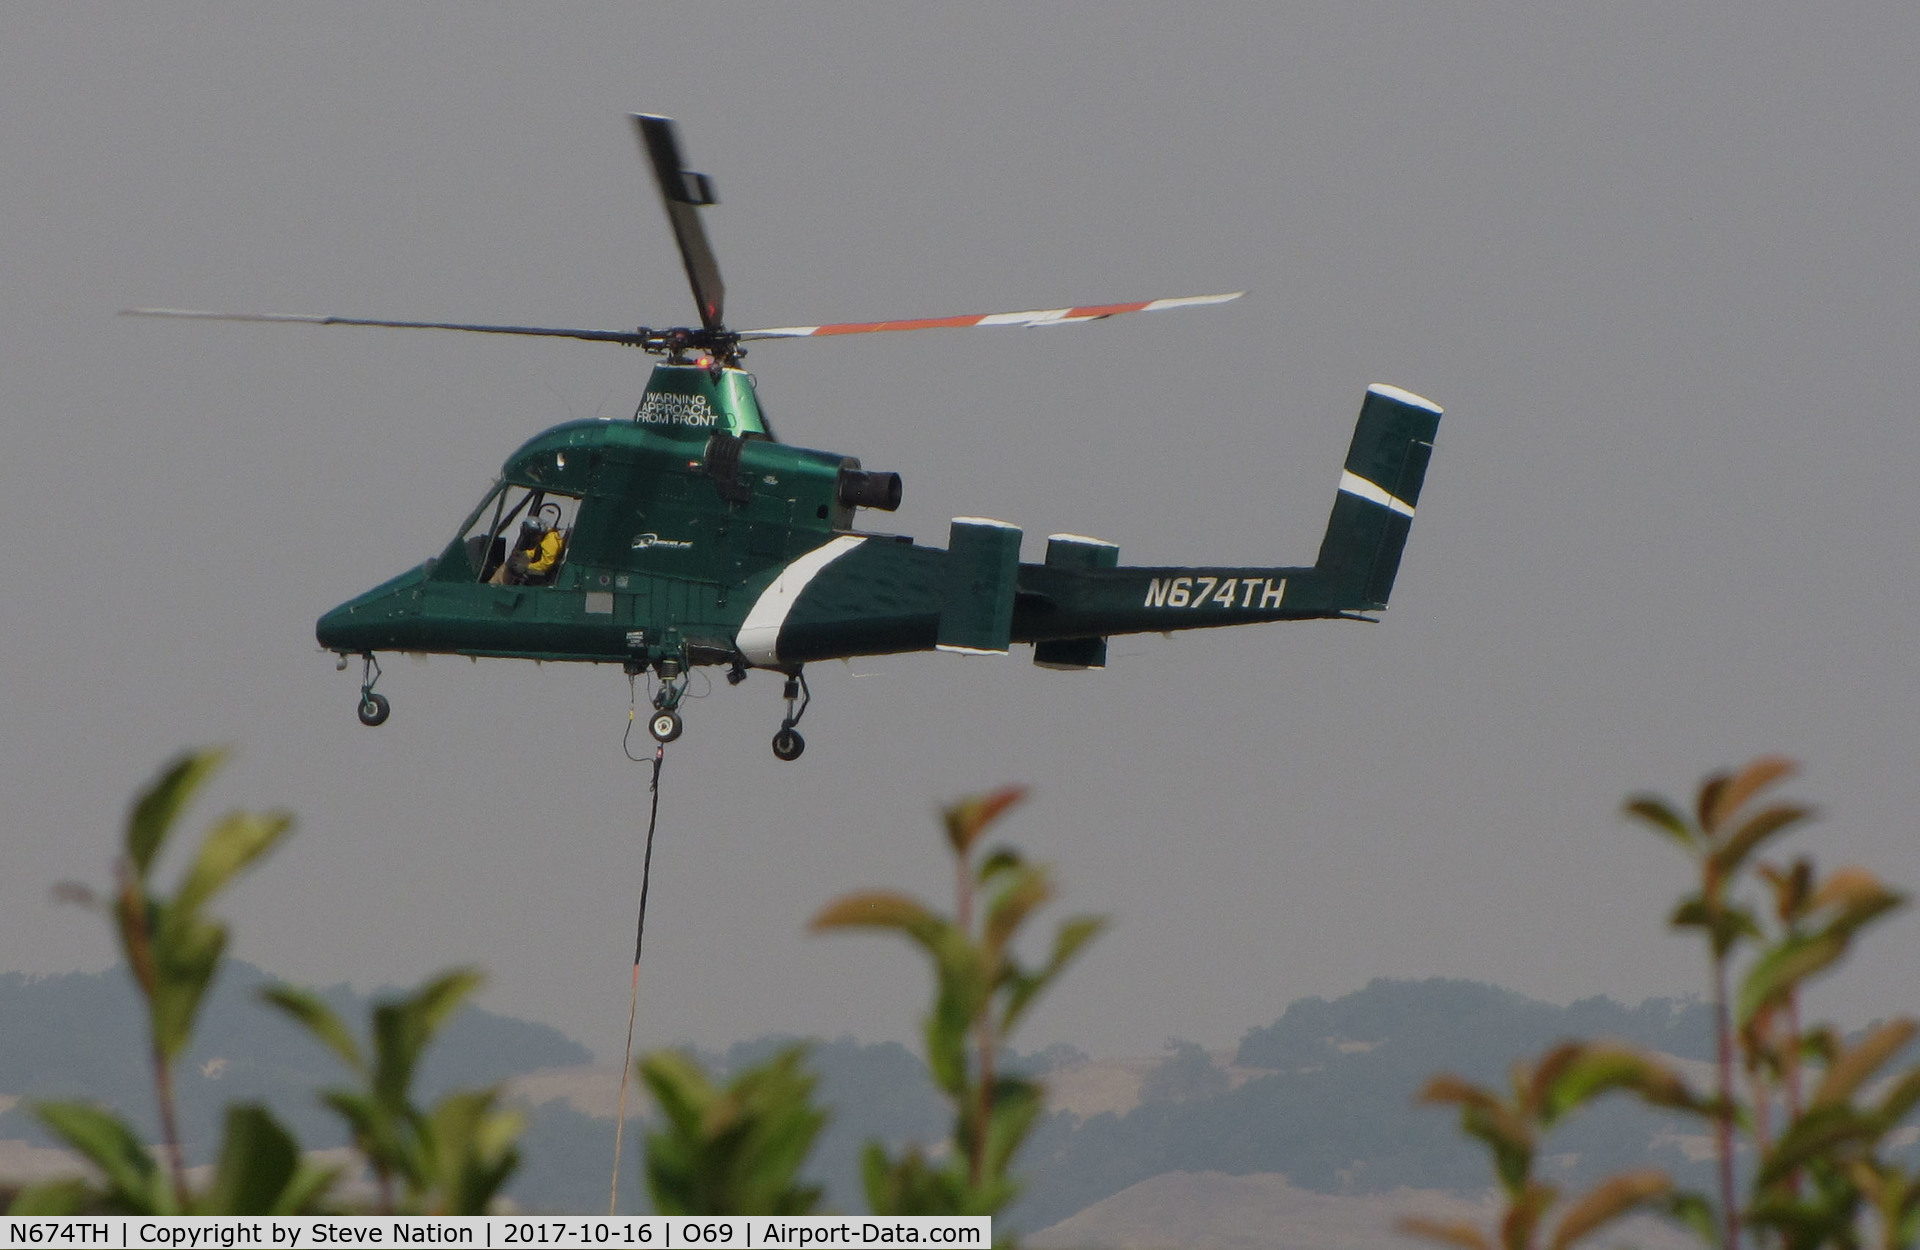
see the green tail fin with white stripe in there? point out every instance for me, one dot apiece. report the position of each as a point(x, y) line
point(1378, 490)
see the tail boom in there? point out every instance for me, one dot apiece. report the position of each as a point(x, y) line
point(1354, 574)
point(880, 596)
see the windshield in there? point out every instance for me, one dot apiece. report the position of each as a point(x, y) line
point(519, 535)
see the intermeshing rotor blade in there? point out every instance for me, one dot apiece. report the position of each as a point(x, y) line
point(685, 193)
point(657, 339)
point(632, 338)
point(1033, 317)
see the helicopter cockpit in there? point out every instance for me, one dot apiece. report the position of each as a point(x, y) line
point(519, 536)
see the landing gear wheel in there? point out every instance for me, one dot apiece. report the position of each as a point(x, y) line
point(374, 709)
point(665, 726)
point(788, 744)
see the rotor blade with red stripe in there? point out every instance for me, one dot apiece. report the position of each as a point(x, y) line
point(1032, 317)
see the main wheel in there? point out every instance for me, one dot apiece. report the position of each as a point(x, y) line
point(665, 726)
point(787, 744)
point(374, 709)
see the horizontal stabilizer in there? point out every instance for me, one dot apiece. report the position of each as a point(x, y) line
point(983, 571)
point(1076, 551)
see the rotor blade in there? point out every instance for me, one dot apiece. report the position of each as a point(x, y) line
point(1034, 317)
point(630, 337)
point(684, 193)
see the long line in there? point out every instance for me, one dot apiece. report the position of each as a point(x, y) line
point(633, 999)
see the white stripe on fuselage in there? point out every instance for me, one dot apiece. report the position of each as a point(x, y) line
point(759, 636)
point(1354, 484)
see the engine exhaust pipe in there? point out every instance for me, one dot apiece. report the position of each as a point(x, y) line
point(858, 488)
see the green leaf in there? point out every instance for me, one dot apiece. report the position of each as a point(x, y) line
point(963, 987)
point(433, 1003)
point(1708, 802)
point(1016, 1104)
point(1730, 924)
point(881, 909)
point(1856, 1064)
point(1857, 896)
point(1792, 888)
point(185, 961)
point(1446, 1088)
point(912, 1185)
point(160, 804)
point(971, 817)
point(230, 846)
point(1575, 1074)
point(305, 1193)
point(736, 1150)
point(102, 1139)
point(1781, 969)
point(1900, 1099)
point(1734, 792)
point(1607, 1202)
point(470, 1145)
point(1767, 823)
point(258, 1162)
point(1653, 812)
point(374, 1130)
point(1073, 936)
point(1503, 1127)
point(1000, 860)
point(404, 1027)
point(318, 1019)
point(53, 1198)
point(1446, 1232)
point(877, 1177)
point(1693, 1212)
point(1010, 908)
point(1526, 1205)
point(1818, 1133)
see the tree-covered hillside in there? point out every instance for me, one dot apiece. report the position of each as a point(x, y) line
point(1331, 1102)
point(82, 1035)
point(1323, 1094)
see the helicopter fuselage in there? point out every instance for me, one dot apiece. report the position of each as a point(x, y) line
point(691, 536)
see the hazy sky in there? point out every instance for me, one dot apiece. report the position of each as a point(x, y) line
point(1658, 262)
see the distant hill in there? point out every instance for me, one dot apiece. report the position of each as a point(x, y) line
point(873, 1090)
point(1322, 1096)
point(82, 1035)
point(1208, 1211)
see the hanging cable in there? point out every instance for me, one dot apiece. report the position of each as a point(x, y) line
point(639, 938)
point(633, 703)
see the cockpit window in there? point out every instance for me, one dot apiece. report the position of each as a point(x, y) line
point(519, 536)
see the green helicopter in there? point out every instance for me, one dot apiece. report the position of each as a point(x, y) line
point(689, 535)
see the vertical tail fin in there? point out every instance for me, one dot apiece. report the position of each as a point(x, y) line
point(1378, 490)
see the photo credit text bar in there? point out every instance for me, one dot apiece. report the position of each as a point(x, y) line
point(494, 1232)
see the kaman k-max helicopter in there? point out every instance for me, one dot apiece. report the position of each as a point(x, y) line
point(689, 535)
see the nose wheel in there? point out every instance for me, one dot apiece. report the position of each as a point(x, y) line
point(665, 726)
point(374, 708)
point(787, 743)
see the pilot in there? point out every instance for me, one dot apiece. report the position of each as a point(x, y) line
point(534, 556)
